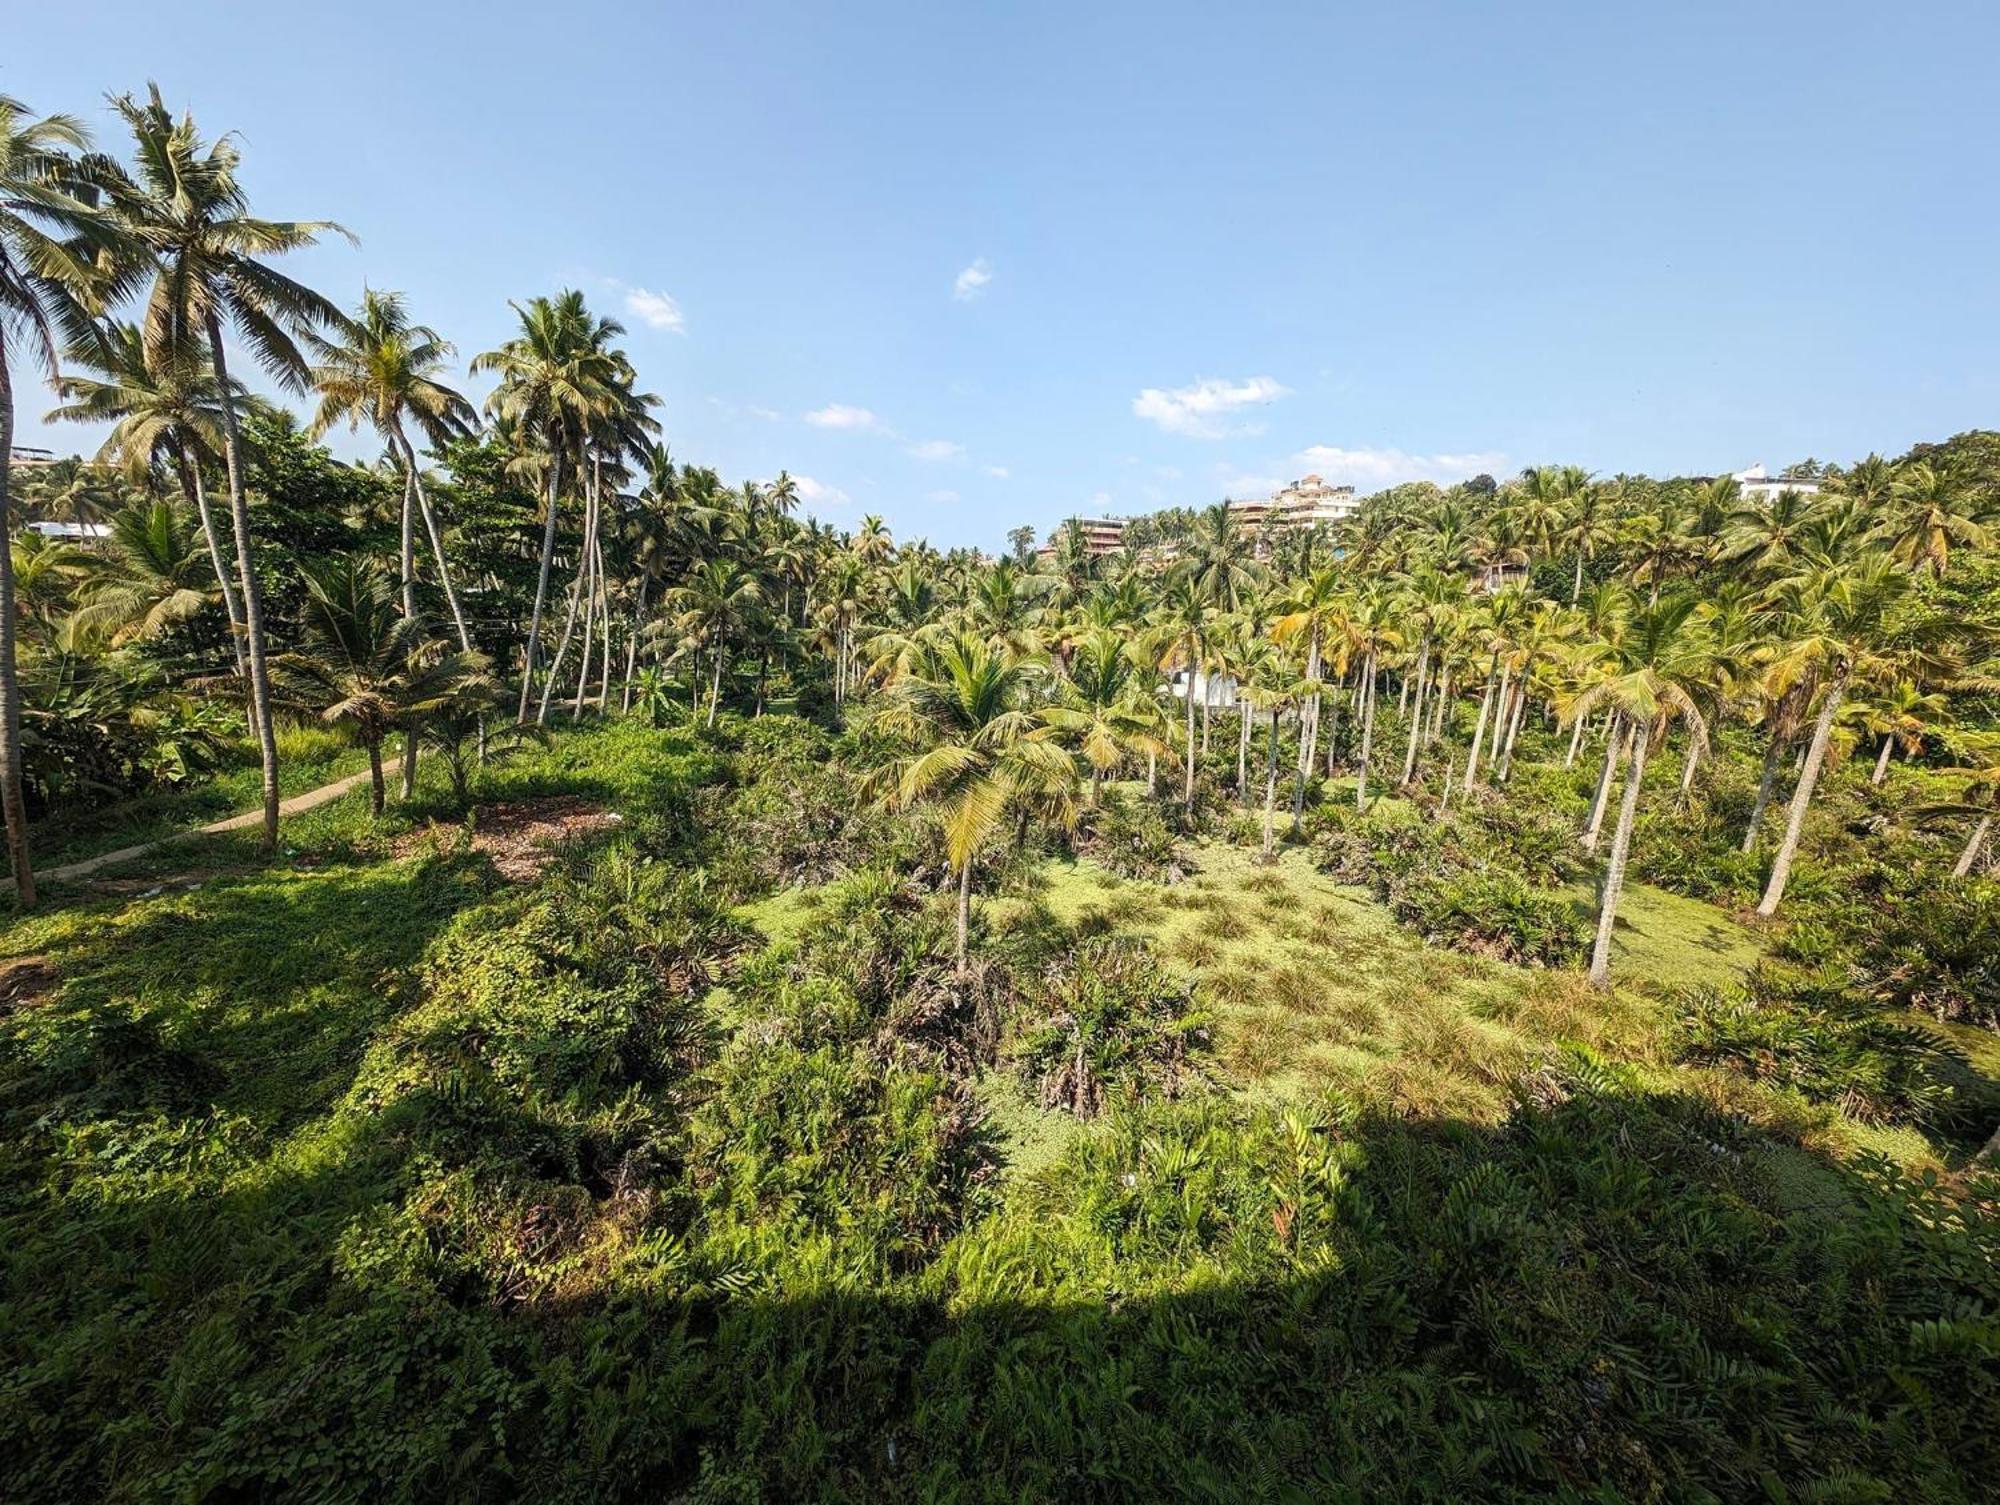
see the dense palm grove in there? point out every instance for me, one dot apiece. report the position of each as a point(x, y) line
point(697, 1167)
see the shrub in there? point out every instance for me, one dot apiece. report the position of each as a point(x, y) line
point(1131, 837)
point(1495, 914)
point(1813, 1033)
point(1108, 1022)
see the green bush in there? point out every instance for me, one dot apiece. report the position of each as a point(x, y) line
point(1106, 1022)
point(1495, 914)
point(1811, 1032)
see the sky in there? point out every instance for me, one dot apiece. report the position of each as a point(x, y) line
point(968, 267)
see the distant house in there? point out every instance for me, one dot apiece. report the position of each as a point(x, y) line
point(1760, 487)
point(1219, 690)
point(85, 534)
point(27, 458)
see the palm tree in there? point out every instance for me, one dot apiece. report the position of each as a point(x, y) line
point(188, 212)
point(1182, 634)
point(165, 411)
point(1661, 664)
point(981, 751)
point(382, 369)
point(1931, 512)
point(1901, 715)
point(48, 279)
point(155, 578)
point(1834, 614)
point(1589, 527)
point(367, 664)
point(1978, 803)
point(715, 602)
point(557, 375)
point(1108, 706)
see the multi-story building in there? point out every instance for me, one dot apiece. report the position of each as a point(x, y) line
point(24, 457)
point(1761, 487)
point(1101, 536)
point(1307, 502)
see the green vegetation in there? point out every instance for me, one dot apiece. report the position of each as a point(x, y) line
point(815, 1017)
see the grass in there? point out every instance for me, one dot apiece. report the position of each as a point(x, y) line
point(1315, 987)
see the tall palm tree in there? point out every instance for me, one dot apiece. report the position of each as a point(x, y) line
point(1834, 615)
point(382, 369)
point(165, 412)
point(1108, 706)
point(366, 663)
point(714, 604)
point(185, 207)
point(1181, 634)
point(1932, 512)
point(981, 751)
point(558, 374)
point(1662, 662)
point(49, 242)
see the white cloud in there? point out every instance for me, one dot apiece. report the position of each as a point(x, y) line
point(1202, 410)
point(941, 496)
point(937, 449)
point(657, 310)
point(1236, 483)
point(769, 415)
point(998, 472)
point(971, 282)
point(838, 415)
point(819, 494)
point(1373, 469)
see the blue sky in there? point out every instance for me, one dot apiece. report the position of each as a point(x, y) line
point(974, 266)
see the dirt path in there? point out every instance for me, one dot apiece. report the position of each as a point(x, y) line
point(298, 804)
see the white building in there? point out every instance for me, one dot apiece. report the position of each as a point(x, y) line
point(1761, 487)
point(81, 533)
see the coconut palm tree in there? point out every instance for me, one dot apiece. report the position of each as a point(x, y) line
point(1108, 705)
point(1978, 803)
point(1181, 634)
point(1930, 513)
point(558, 374)
point(1661, 665)
point(980, 751)
point(185, 207)
point(1589, 527)
point(154, 579)
point(713, 606)
point(50, 244)
point(367, 664)
point(382, 369)
point(1834, 614)
point(165, 412)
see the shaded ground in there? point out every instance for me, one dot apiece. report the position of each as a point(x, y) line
point(521, 837)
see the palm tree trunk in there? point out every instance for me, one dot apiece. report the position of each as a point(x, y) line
point(569, 626)
point(1368, 693)
point(253, 597)
point(1614, 869)
point(377, 793)
point(1308, 733)
point(1271, 787)
point(604, 628)
point(1416, 717)
point(1575, 742)
point(1479, 726)
point(12, 804)
point(197, 497)
point(541, 597)
point(715, 690)
point(1242, 747)
point(964, 911)
point(1689, 768)
point(1514, 728)
point(1596, 822)
point(1971, 853)
point(1194, 670)
point(1576, 584)
point(436, 538)
point(1795, 821)
point(1774, 754)
point(590, 562)
point(632, 644)
point(1882, 762)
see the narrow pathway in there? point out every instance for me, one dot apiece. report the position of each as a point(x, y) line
point(298, 804)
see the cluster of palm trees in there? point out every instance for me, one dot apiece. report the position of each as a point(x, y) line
point(1410, 647)
point(1803, 620)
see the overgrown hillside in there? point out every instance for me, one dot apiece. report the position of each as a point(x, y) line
point(681, 1164)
